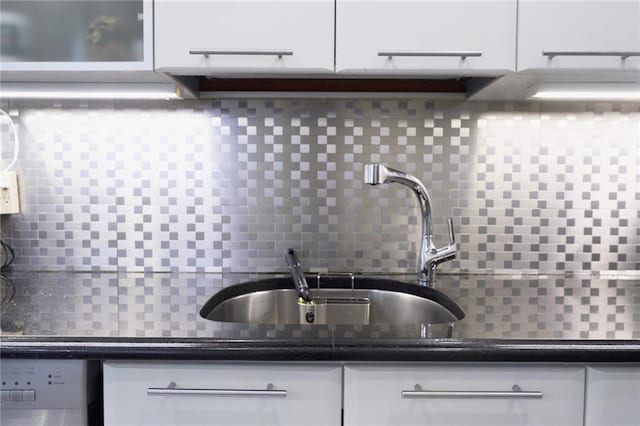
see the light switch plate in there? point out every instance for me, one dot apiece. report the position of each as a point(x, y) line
point(9, 194)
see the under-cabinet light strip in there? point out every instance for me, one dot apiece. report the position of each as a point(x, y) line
point(586, 91)
point(87, 91)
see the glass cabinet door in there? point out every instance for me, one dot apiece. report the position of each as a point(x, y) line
point(76, 35)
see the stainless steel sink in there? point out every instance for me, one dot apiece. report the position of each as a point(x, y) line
point(339, 300)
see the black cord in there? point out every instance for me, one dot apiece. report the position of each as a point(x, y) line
point(5, 255)
point(13, 255)
point(9, 290)
point(9, 255)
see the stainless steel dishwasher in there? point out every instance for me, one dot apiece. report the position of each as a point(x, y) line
point(50, 392)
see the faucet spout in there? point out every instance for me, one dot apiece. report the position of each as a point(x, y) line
point(430, 256)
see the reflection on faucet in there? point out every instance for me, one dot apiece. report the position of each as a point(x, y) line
point(299, 280)
point(430, 256)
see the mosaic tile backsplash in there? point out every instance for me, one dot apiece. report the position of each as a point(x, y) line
point(168, 305)
point(228, 185)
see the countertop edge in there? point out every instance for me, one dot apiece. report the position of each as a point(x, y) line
point(386, 350)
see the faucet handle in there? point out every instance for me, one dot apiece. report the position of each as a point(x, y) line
point(448, 252)
point(452, 236)
point(451, 250)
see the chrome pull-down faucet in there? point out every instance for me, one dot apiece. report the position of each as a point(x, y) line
point(430, 256)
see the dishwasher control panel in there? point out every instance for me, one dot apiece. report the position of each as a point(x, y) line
point(43, 383)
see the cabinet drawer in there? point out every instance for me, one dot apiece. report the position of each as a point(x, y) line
point(425, 36)
point(613, 393)
point(137, 394)
point(222, 36)
point(466, 395)
point(584, 34)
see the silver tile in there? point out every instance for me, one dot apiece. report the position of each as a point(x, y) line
point(228, 185)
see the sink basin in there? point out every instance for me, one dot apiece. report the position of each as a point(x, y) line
point(339, 300)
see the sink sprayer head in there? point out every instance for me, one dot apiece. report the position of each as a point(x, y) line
point(374, 174)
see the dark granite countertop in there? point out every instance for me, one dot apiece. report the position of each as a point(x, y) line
point(155, 316)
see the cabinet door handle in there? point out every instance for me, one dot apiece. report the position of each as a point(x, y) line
point(623, 55)
point(516, 392)
point(173, 390)
point(248, 52)
point(434, 54)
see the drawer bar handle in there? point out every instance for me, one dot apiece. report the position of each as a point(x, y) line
point(436, 54)
point(515, 393)
point(249, 52)
point(623, 55)
point(173, 390)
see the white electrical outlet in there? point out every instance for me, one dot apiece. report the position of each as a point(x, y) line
point(9, 195)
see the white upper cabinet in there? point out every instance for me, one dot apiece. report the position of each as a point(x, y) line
point(255, 36)
point(81, 35)
point(425, 37)
point(585, 34)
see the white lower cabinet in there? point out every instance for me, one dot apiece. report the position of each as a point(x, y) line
point(368, 394)
point(461, 395)
point(613, 396)
point(186, 394)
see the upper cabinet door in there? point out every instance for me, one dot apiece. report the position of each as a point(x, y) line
point(585, 34)
point(231, 36)
point(81, 35)
point(425, 37)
